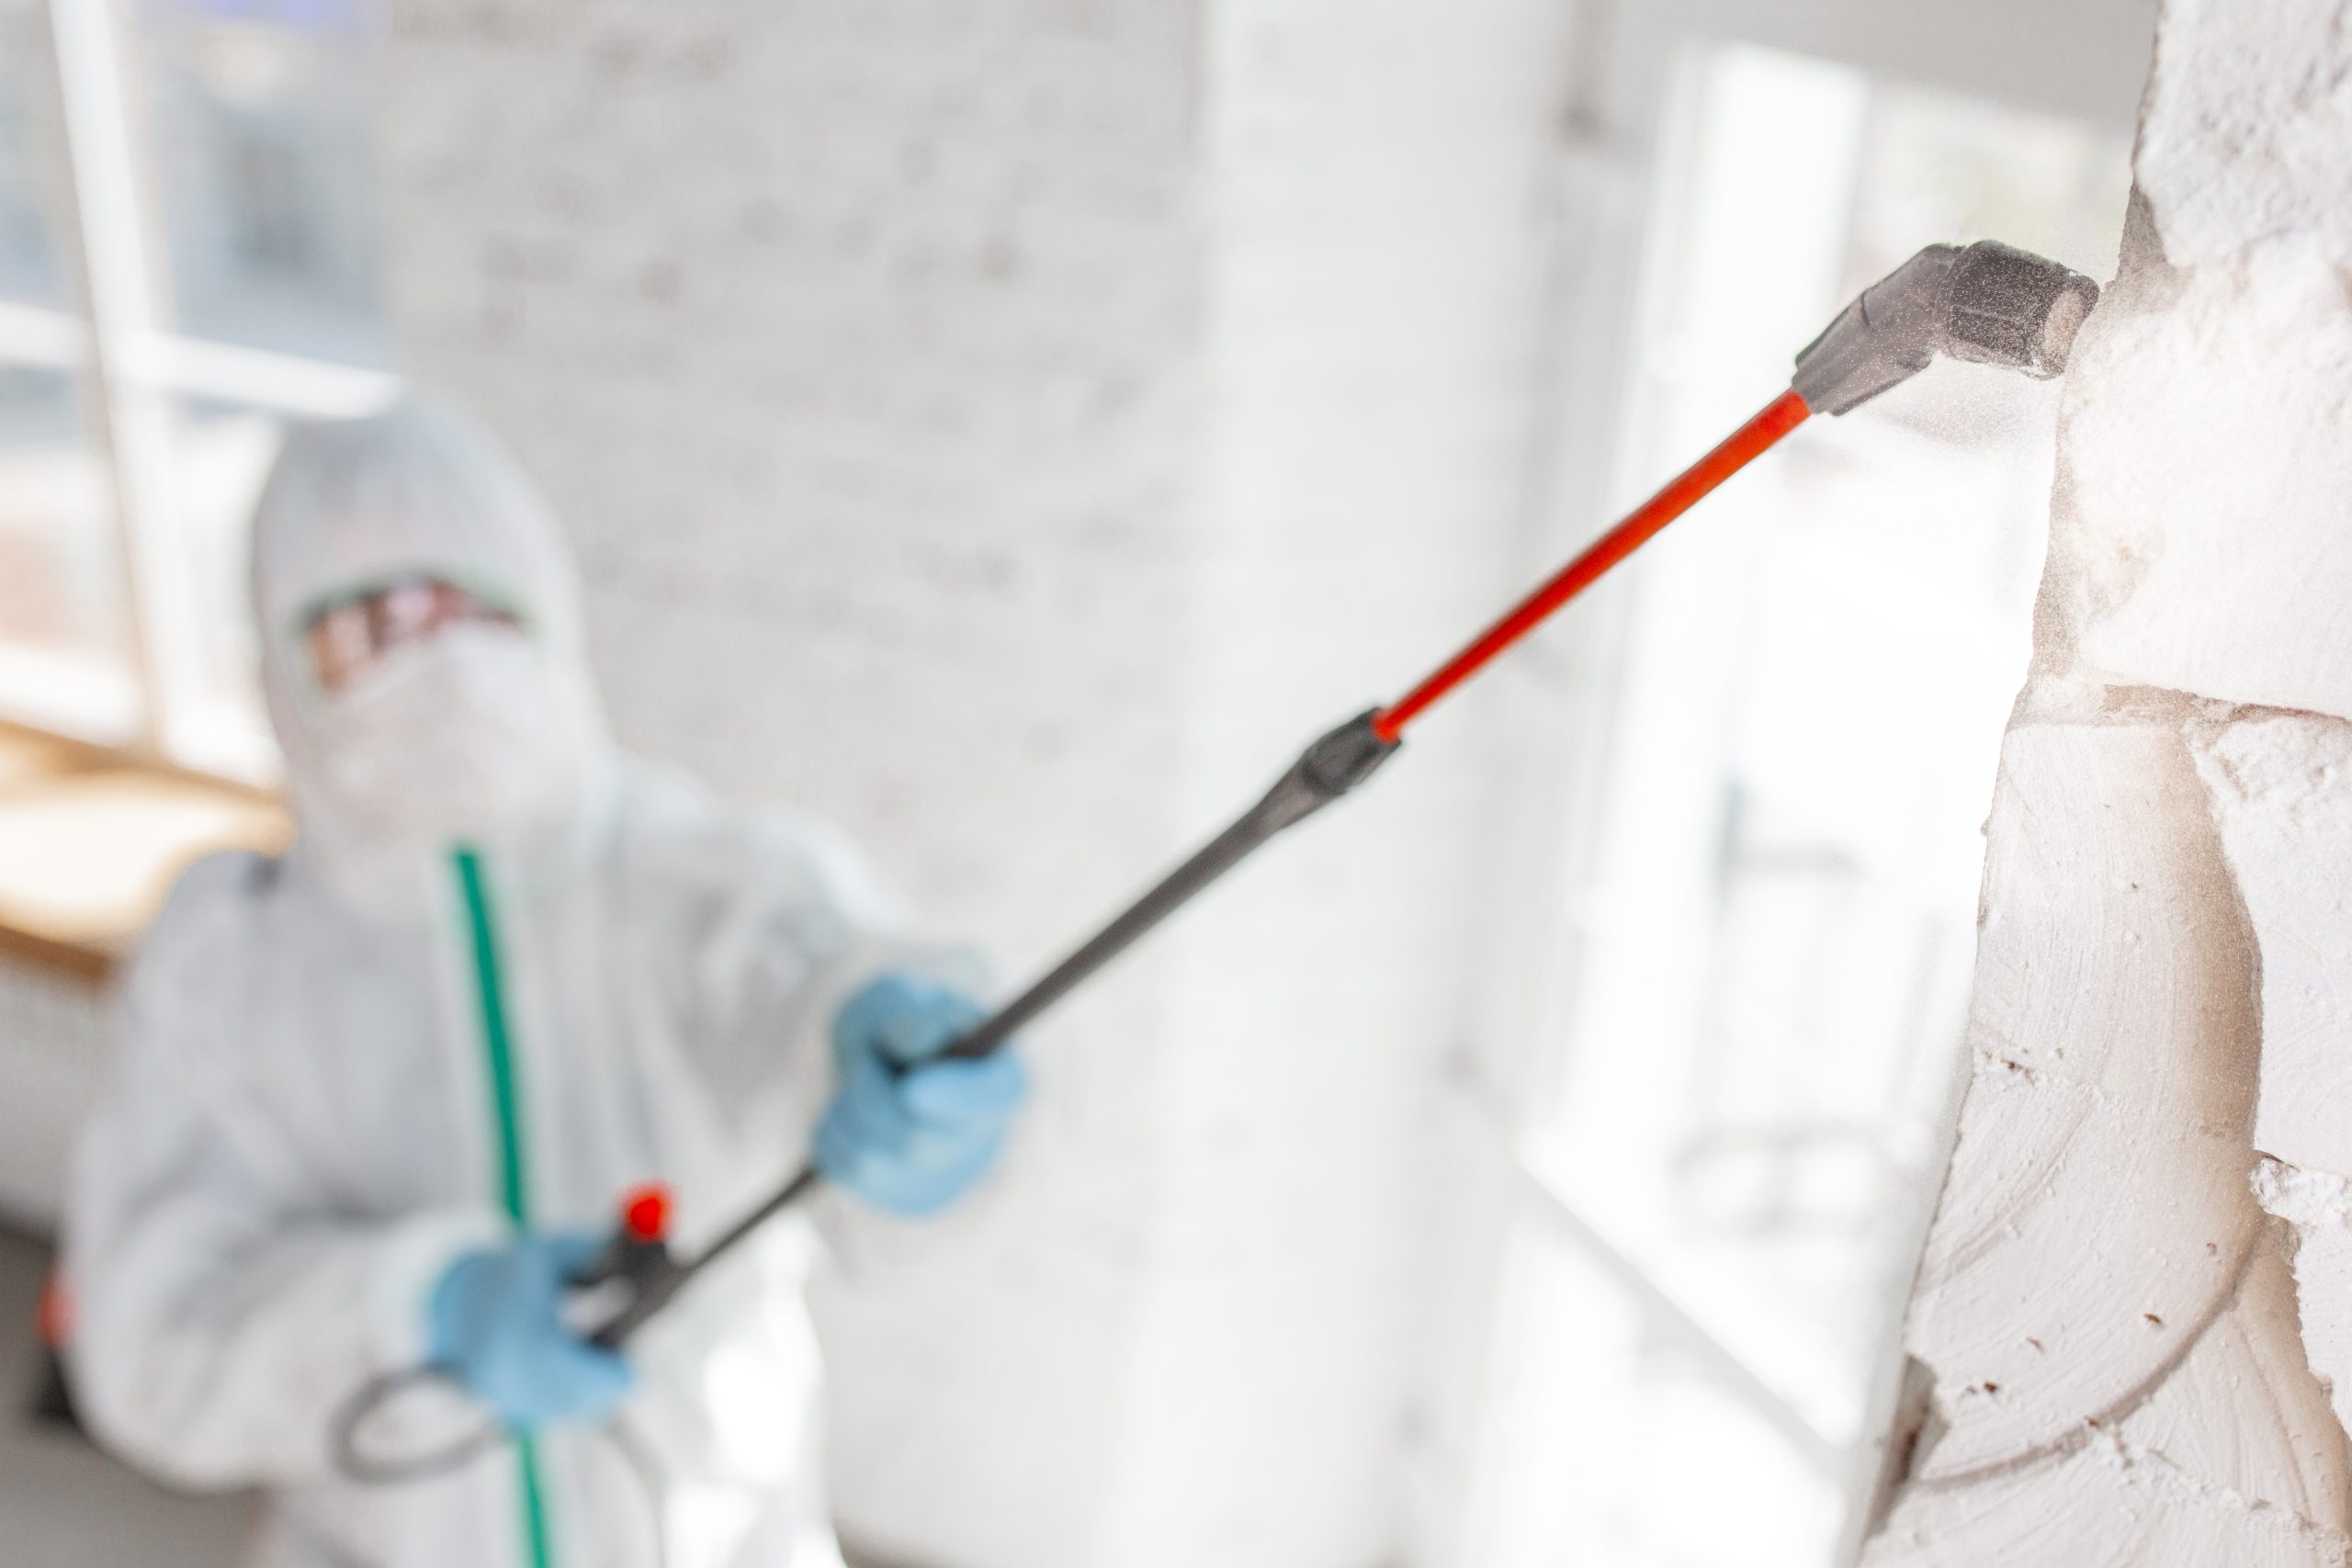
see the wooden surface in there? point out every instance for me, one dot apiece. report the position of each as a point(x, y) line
point(90, 843)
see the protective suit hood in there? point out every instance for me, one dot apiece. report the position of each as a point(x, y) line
point(355, 505)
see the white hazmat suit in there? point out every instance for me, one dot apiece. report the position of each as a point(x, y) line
point(346, 1066)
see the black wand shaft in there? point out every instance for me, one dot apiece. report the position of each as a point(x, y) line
point(1327, 769)
point(1333, 764)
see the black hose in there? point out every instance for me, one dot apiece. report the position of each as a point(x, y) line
point(353, 1463)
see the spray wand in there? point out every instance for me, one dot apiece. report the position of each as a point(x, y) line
point(1986, 302)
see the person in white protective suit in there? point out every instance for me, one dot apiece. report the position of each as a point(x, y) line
point(379, 1095)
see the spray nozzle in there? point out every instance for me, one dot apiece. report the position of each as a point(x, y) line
point(1986, 302)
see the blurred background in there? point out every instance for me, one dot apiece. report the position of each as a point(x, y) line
point(1009, 428)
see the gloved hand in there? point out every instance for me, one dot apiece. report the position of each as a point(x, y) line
point(494, 1323)
point(904, 1132)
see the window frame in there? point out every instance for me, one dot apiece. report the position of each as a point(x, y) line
point(129, 365)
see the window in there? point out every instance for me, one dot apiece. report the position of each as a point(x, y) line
point(187, 257)
point(1733, 1123)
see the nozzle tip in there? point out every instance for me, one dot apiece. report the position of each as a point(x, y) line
point(2016, 309)
point(1987, 302)
point(2067, 314)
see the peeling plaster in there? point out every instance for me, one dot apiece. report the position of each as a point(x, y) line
point(2132, 1324)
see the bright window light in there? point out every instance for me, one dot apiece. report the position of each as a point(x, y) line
point(188, 258)
point(1772, 944)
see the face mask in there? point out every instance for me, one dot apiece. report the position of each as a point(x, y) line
point(467, 735)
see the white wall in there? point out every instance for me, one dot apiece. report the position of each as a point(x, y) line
point(1009, 430)
point(2121, 1357)
point(53, 1035)
point(1375, 279)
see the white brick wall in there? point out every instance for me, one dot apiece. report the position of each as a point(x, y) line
point(1374, 281)
point(1010, 429)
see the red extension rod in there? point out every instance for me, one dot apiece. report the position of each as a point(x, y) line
point(1685, 491)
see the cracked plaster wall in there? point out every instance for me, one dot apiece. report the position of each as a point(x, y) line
point(2133, 1321)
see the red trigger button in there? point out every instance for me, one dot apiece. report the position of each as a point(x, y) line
point(645, 1213)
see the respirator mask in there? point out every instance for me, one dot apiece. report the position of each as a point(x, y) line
point(472, 734)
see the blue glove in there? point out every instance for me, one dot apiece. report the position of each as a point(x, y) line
point(494, 1323)
point(904, 1132)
